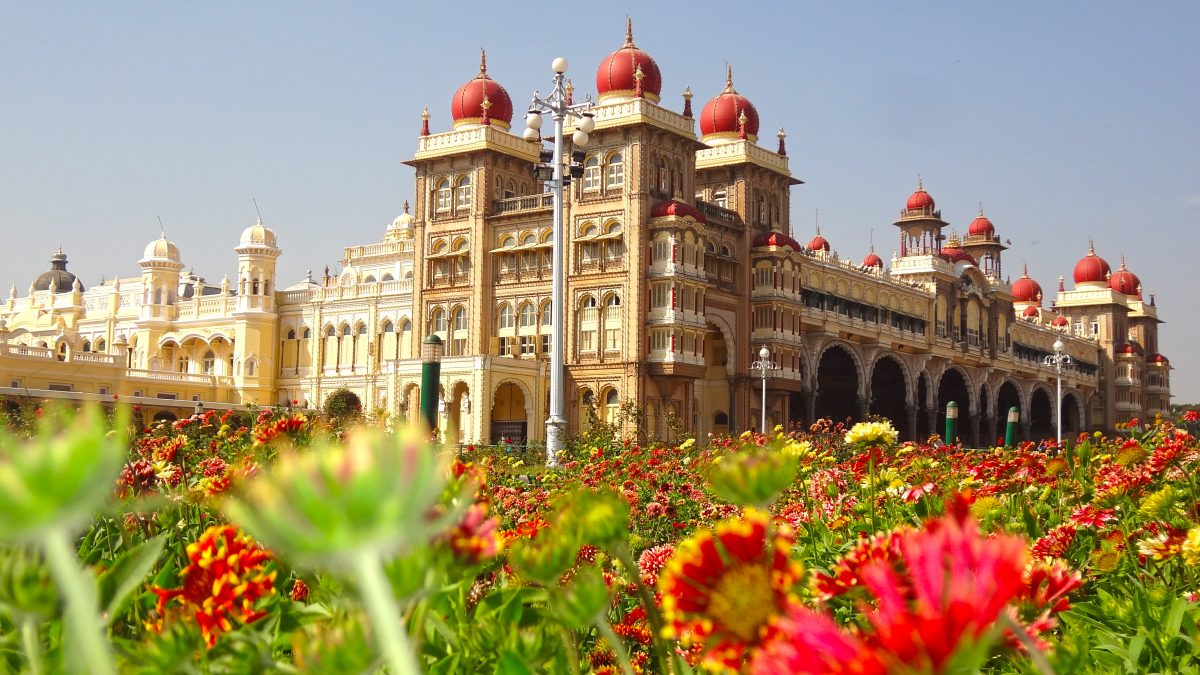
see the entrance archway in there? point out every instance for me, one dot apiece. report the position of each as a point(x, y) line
point(712, 392)
point(837, 385)
point(1007, 397)
point(509, 420)
point(889, 393)
point(953, 387)
point(1041, 415)
point(923, 430)
point(1070, 416)
point(458, 411)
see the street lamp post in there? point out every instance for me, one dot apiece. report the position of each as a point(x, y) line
point(763, 365)
point(1058, 360)
point(558, 106)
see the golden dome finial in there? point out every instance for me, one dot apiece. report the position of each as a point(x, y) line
point(1091, 247)
point(1025, 271)
point(425, 113)
point(687, 92)
point(920, 184)
point(1122, 261)
point(638, 74)
point(728, 77)
point(628, 31)
point(482, 62)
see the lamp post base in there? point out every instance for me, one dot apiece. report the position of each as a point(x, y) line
point(556, 429)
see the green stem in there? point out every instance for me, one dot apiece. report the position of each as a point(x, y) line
point(616, 644)
point(1039, 659)
point(871, 468)
point(653, 616)
point(86, 639)
point(390, 635)
point(568, 641)
point(32, 644)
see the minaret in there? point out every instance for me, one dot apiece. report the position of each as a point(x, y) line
point(920, 225)
point(257, 254)
point(160, 265)
point(256, 325)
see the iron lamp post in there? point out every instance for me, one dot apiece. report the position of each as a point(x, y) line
point(1058, 360)
point(763, 365)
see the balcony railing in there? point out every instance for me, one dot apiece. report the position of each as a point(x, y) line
point(523, 203)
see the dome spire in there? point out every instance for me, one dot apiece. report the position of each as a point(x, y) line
point(406, 206)
point(729, 77)
point(425, 121)
point(687, 101)
point(782, 147)
point(1024, 271)
point(629, 31)
point(483, 63)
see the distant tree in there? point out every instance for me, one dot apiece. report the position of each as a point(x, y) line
point(343, 406)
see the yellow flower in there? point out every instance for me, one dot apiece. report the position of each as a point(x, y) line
point(872, 434)
point(1191, 547)
point(796, 448)
point(687, 444)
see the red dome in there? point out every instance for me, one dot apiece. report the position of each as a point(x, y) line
point(954, 254)
point(1091, 269)
point(920, 200)
point(720, 117)
point(818, 243)
point(873, 260)
point(1030, 312)
point(1158, 359)
point(1130, 348)
point(617, 74)
point(981, 226)
point(1060, 321)
point(676, 208)
point(776, 239)
point(1124, 281)
point(1026, 289)
point(467, 105)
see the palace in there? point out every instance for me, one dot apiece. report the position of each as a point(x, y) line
point(680, 264)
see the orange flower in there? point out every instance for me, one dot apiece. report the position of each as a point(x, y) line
point(225, 580)
point(723, 587)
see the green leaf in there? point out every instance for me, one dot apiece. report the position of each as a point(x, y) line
point(512, 664)
point(127, 573)
point(1031, 524)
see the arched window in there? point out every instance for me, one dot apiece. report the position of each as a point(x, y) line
point(330, 331)
point(443, 194)
point(100, 345)
point(614, 175)
point(388, 277)
point(591, 174)
point(387, 327)
point(345, 330)
point(528, 315)
point(362, 329)
point(87, 346)
point(588, 324)
point(291, 335)
point(251, 365)
point(307, 334)
point(720, 198)
point(504, 320)
point(615, 246)
point(458, 339)
point(369, 279)
point(210, 362)
point(464, 192)
point(439, 321)
point(547, 315)
point(183, 364)
point(612, 322)
point(612, 405)
point(405, 326)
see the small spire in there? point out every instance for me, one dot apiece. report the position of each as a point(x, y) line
point(485, 105)
point(782, 146)
point(1122, 261)
point(406, 206)
point(59, 251)
point(980, 209)
point(1152, 300)
point(728, 77)
point(742, 124)
point(687, 101)
point(629, 31)
point(425, 121)
point(482, 62)
point(309, 278)
point(920, 184)
point(1091, 247)
point(1061, 284)
point(569, 88)
point(1025, 269)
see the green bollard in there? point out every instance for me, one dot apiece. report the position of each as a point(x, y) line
point(951, 422)
point(431, 372)
point(1010, 431)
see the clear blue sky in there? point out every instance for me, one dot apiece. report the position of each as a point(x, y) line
point(1067, 120)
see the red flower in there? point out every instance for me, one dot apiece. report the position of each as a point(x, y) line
point(1191, 416)
point(651, 563)
point(1055, 543)
point(225, 580)
point(477, 537)
point(1090, 516)
point(724, 586)
point(1047, 584)
point(299, 591)
point(806, 641)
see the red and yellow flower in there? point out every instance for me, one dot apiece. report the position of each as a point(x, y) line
point(225, 580)
point(724, 586)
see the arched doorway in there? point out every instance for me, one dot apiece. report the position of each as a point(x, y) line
point(923, 430)
point(953, 387)
point(458, 411)
point(1041, 415)
point(509, 420)
point(889, 394)
point(1070, 415)
point(986, 424)
point(837, 385)
point(1007, 397)
point(712, 392)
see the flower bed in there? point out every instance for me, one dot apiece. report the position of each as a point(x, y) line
point(274, 542)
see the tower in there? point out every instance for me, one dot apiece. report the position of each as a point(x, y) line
point(920, 225)
point(160, 265)
point(256, 325)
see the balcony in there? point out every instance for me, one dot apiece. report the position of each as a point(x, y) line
point(523, 204)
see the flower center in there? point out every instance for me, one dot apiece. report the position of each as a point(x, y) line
point(743, 601)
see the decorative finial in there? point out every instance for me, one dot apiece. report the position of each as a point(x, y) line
point(1122, 261)
point(687, 101)
point(920, 184)
point(162, 231)
point(638, 76)
point(1091, 247)
point(425, 121)
point(485, 119)
point(59, 251)
point(782, 146)
point(482, 62)
point(1152, 300)
point(309, 278)
point(628, 31)
point(1062, 284)
point(872, 240)
point(981, 209)
point(1025, 270)
point(569, 88)
point(742, 124)
point(728, 77)
point(406, 206)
